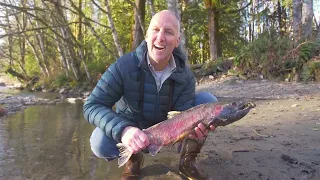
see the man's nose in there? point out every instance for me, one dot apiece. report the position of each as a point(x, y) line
point(160, 36)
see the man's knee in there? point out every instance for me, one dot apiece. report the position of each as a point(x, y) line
point(103, 146)
point(204, 97)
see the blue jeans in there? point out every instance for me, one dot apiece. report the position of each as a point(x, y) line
point(104, 147)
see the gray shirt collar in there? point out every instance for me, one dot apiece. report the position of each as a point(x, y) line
point(171, 65)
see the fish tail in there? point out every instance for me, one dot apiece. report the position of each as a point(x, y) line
point(125, 154)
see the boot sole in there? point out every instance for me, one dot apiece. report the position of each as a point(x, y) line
point(185, 176)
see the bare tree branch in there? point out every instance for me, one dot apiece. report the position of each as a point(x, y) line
point(33, 29)
point(238, 10)
point(21, 8)
point(76, 12)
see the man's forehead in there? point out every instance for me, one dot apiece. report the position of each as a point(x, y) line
point(164, 19)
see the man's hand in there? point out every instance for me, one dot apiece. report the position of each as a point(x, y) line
point(201, 132)
point(134, 139)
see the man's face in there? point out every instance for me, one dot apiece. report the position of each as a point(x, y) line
point(162, 37)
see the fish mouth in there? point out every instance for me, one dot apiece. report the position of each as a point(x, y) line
point(232, 112)
point(245, 106)
point(241, 110)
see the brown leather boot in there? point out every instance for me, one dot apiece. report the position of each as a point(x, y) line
point(188, 167)
point(132, 167)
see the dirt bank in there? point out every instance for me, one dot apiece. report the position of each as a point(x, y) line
point(278, 140)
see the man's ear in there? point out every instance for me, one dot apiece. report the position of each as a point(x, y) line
point(178, 42)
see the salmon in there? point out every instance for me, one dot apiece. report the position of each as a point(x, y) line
point(179, 126)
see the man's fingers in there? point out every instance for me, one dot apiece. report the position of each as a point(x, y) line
point(135, 139)
point(140, 144)
point(202, 127)
point(135, 147)
point(199, 133)
point(144, 139)
point(212, 127)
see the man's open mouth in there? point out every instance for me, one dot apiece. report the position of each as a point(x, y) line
point(158, 47)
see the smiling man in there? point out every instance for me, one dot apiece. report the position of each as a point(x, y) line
point(162, 37)
point(145, 85)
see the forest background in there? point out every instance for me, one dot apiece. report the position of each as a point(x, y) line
point(49, 44)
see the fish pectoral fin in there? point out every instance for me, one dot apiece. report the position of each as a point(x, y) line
point(171, 114)
point(154, 149)
point(180, 144)
point(125, 154)
point(180, 138)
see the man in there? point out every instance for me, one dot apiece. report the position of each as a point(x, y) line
point(146, 84)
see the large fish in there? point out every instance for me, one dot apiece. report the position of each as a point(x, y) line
point(182, 124)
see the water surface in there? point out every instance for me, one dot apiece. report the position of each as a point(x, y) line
point(50, 142)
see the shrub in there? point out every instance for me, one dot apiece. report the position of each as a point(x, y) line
point(274, 56)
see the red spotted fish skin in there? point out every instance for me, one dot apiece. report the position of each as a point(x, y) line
point(181, 125)
point(171, 130)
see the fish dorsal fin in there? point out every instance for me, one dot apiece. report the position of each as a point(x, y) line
point(171, 114)
point(154, 149)
point(125, 154)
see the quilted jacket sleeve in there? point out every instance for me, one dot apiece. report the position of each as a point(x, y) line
point(186, 98)
point(98, 107)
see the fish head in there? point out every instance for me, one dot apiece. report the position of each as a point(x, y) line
point(229, 113)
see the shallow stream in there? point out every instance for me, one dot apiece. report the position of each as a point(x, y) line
point(52, 142)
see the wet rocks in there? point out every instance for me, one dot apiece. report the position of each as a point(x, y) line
point(10, 104)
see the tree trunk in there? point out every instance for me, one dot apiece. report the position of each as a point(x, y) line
point(85, 65)
point(297, 25)
point(151, 6)
point(174, 6)
point(70, 40)
point(284, 20)
point(10, 39)
point(39, 37)
point(21, 40)
point(71, 55)
point(212, 30)
point(138, 31)
point(40, 40)
point(88, 24)
point(253, 20)
point(307, 17)
point(318, 34)
point(62, 53)
point(20, 76)
point(37, 56)
point(113, 29)
point(279, 17)
point(297, 32)
point(60, 43)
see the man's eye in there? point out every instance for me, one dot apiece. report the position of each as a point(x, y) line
point(169, 32)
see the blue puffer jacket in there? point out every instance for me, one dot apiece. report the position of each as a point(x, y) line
point(121, 84)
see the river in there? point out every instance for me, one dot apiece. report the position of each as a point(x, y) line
point(52, 142)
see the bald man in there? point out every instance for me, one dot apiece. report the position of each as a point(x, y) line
point(145, 85)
